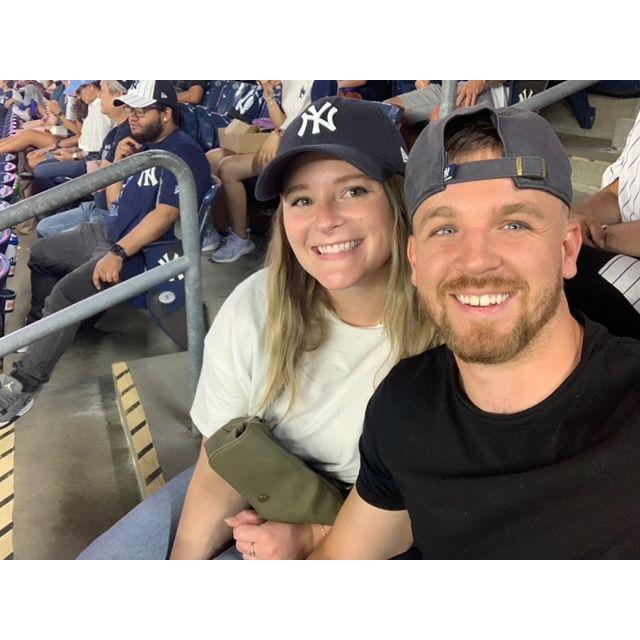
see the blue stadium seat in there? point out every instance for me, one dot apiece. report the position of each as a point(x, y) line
point(165, 302)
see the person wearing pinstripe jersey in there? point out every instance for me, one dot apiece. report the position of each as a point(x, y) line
point(607, 287)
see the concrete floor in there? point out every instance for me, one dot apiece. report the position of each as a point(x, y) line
point(73, 472)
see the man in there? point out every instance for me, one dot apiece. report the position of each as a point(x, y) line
point(71, 162)
point(520, 437)
point(607, 287)
point(424, 103)
point(72, 266)
point(98, 208)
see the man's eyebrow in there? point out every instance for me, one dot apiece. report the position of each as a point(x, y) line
point(521, 207)
point(439, 212)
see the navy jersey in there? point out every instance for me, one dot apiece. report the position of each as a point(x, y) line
point(112, 139)
point(144, 191)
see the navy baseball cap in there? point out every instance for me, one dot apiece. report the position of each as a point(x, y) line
point(144, 93)
point(353, 130)
point(533, 156)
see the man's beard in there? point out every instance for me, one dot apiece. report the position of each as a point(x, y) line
point(484, 344)
point(150, 133)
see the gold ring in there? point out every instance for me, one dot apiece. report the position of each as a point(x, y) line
point(252, 551)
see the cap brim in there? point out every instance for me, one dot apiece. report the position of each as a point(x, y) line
point(134, 101)
point(270, 181)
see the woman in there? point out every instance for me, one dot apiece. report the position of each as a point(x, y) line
point(233, 168)
point(340, 312)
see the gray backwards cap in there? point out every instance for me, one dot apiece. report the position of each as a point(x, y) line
point(357, 131)
point(533, 156)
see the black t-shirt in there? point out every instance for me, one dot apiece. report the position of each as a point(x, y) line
point(559, 480)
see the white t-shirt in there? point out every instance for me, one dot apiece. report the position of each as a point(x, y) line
point(626, 169)
point(334, 382)
point(296, 97)
point(94, 128)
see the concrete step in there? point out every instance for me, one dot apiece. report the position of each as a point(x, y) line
point(589, 158)
point(608, 112)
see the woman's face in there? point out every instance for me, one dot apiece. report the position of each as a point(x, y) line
point(338, 221)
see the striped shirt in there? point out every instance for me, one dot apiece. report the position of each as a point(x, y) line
point(626, 169)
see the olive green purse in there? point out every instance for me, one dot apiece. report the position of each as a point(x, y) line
point(275, 482)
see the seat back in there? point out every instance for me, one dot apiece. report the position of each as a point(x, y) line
point(165, 301)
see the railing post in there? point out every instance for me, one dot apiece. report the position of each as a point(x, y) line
point(449, 93)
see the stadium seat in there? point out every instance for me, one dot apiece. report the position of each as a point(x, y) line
point(166, 301)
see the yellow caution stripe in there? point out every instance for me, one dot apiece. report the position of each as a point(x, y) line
point(134, 421)
point(7, 449)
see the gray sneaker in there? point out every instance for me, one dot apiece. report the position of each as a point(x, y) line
point(212, 240)
point(13, 403)
point(233, 248)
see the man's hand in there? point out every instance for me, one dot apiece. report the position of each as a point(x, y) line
point(268, 86)
point(270, 540)
point(126, 147)
point(107, 270)
point(422, 84)
point(469, 91)
point(592, 231)
point(268, 150)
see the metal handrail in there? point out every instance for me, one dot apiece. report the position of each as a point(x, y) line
point(549, 96)
point(189, 263)
point(542, 99)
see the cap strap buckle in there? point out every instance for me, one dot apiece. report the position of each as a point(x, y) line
point(526, 168)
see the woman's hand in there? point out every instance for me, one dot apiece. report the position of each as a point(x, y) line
point(260, 539)
point(268, 150)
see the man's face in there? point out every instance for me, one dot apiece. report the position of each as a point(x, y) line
point(146, 124)
point(488, 261)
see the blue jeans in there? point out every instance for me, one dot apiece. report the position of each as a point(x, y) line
point(45, 174)
point(65, 220)
point(147, 532)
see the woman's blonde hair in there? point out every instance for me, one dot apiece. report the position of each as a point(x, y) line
point(297, 304)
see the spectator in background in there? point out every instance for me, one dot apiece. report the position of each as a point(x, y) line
point(607, 287)
point(191, 91)
point(423, 104)
point(72, 266)
point(233, 168)
point(374, 90)
point(71, 163)
point(98, 208)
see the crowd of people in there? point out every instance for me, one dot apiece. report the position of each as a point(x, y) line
point(448, 295)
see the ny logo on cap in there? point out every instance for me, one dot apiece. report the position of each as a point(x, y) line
point(134, 86)
point(405, 157)
point(316, 117)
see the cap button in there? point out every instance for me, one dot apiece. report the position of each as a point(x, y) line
point(263, 497)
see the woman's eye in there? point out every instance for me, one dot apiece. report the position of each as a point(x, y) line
point(354, 192)
point(300, 202)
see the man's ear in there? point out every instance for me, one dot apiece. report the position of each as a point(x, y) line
point(571, 244)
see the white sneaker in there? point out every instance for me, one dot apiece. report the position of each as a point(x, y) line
point(212, 240)
point(233, 248)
